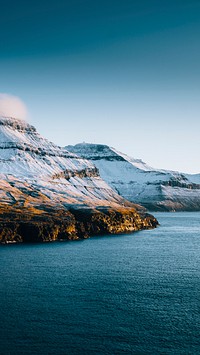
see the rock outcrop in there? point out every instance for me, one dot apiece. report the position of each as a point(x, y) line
point(32, 225)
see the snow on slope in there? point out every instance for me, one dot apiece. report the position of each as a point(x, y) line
point(25, 152)
point(195, 178)
point(30, 165)
point(140, 183)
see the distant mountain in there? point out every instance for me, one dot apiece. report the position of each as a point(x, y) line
point(155, 189)
point(48, 193)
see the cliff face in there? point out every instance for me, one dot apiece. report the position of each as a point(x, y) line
point(48, 193)
point(157, 190)
point(53, 224)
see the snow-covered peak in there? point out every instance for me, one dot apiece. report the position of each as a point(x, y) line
point(23, 151)
point(16, 123)
point(98, 152)
point(140, 183)
point(92, 151)
point(14, 130)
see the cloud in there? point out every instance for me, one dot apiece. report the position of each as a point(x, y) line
point(12, 106)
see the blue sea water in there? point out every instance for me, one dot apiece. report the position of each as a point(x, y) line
point(127, 294)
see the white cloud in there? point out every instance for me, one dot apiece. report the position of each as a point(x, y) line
point(12, 106)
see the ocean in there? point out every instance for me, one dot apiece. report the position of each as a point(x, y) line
point(129, 294)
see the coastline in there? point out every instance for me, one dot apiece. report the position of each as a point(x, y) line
point(55, 224)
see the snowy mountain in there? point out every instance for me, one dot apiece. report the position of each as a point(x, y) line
point(29, 157)
point(38, 178)
point(137, 182)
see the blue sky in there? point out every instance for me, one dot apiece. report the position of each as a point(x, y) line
point(124, 73)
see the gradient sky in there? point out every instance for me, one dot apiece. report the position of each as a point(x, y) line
point(124, 73)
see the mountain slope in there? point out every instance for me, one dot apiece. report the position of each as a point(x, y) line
point(137, 182)
point(41, 182)
point(29, 157)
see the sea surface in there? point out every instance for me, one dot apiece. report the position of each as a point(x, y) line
point(129, 294)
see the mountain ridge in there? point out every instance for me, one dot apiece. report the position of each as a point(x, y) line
point(156, 189)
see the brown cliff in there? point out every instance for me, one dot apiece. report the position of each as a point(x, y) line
point(33, 225)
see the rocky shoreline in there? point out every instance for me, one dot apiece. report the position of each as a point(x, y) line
point(54, 224)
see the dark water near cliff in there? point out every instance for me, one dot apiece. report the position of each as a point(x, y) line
point(132, 294)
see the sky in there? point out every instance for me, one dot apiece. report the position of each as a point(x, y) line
point(123, 73)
